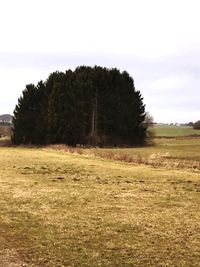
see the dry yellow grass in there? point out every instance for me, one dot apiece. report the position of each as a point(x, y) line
point(65, 209)
point(168, 153)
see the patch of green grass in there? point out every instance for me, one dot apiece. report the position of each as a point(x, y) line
point(167, 153)
point(65, 209)
point(176, 131)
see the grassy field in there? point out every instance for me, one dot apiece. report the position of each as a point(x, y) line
point(100, 207)
point(167, 153)
point(176, 131)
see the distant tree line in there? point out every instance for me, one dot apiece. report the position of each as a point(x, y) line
point(196, 125)
point(95, 106)
point(5, 130)
point(5, 123)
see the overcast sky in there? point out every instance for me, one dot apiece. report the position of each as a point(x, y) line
point(156, 41)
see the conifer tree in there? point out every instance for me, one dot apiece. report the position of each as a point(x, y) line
point(96, 106)
point(25, 116)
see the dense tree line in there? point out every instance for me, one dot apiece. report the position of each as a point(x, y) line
point(96, 106)
point(196, 125)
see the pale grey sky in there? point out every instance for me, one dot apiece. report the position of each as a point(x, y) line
point(157, 42)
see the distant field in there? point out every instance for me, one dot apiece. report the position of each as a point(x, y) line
point(175, 131)
point(133, 207)
point(168, 153)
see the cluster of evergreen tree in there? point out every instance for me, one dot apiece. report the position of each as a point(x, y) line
point(96, 106)
point(196, 125)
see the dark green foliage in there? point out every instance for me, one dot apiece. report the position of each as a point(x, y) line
point(196, 125)
point(25, 116)
point(95, 106)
